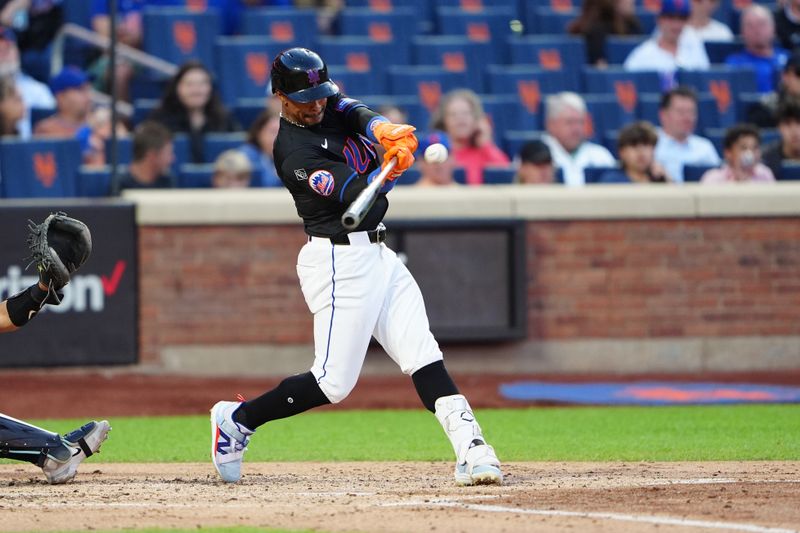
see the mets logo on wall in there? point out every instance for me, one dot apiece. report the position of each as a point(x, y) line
point(322, 182)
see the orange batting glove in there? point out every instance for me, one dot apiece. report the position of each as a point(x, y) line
point(390, 135)
point(405, 158)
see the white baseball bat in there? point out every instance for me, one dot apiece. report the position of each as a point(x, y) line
point(361, 205)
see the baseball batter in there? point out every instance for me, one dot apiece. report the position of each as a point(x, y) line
point(355, 286)
point(60, 246)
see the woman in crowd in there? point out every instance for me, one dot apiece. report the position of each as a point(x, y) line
point(601, 18)
point(460, 115)
point(258, 148)
point(191, 105)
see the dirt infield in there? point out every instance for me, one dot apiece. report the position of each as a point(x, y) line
point(401, 497)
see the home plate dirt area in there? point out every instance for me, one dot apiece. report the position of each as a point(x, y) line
point(401, 497)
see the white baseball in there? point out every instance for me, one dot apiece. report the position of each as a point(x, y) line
point(436, 153)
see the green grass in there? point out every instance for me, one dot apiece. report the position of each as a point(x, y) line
point(698, 433)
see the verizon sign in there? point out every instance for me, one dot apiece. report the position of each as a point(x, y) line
point(96, 322)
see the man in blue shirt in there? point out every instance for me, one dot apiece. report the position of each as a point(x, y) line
point(760, 52)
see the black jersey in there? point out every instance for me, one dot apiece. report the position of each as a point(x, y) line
point(326, 166)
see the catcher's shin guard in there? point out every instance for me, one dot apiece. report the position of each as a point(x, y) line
point(476, 462)
point(25, 442)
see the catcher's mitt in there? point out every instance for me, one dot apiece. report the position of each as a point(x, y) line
point(59, 246)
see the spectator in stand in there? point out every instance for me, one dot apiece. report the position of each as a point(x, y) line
point(535, 164)
point(434, 174)
point(95, 133)
point(677, 144)
point(565, 116)
point(258, 148)
point(129, 32)
point(787, 24)
point(763, 112)
point(393, 114)
point(12, 108)
point(34, 93)
point(191, 105)
point(742, 152)
point(460, 115)
point(153, 155)
point(636, 145)
point(232, 170)
point(36, 23)
point(758, 33)
point(73, 94)
point(601, 18)
point(706, 27)
point(787, 148)
point(670, 48)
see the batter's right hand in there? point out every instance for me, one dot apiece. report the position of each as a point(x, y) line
point(405, 158)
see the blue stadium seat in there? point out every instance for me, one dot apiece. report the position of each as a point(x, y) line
point(287, 26)
point(216, 143)
point(540, 20)
point(723, 84)
point(39, 113)
point(357, 84)
point(693, 173)
point(398, 25)
point(715, 135)
point(243, 66)
point(359, 55)
point(178, 34)
point(593, 174)
point(719, 50)
point(617, 80)
point(454, 54)
point(428, 83)
point(39, 168)
point(789, 171)
point(142, 108)
point(607, 114)
point(498, 175)
point(506, 112)
point(195, 176)
point(551, 52)
point(472, 6)
point(180, 143)
point(418, 114)
point(78, 12)
point(513, 140)
point(490, 26)
point(94, 182)
point(409, 177)
point(247, 109)
point(618, 47)
point(647, 19)
point(528, 82)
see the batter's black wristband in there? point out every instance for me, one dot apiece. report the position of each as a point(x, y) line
point(24, 306)
point(432, 382)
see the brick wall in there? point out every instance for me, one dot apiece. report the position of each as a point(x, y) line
point(587, 279)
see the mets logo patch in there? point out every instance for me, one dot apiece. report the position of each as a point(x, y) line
point(322, 182)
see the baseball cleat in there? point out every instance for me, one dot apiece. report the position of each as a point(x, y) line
point(228, 441)
point(480, 466)
point(79, 444)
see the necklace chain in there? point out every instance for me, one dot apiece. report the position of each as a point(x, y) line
point(290, 121)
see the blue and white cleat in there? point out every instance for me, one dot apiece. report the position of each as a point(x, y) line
point(61, 467)
point(228, 441)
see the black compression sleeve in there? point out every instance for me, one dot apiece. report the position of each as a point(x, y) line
point(294, 395)
point(432, 382)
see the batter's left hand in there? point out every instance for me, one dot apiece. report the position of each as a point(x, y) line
point(405, 158)
point(391, 135)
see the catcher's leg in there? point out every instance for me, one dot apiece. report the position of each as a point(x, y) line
point(57, 456)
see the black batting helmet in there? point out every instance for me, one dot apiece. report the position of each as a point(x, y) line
point(301, 75)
